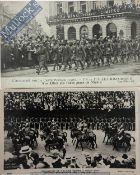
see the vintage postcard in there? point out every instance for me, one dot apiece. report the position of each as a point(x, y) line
point(70, 130)
point(96, 42)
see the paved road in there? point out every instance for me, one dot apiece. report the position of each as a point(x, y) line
point(126, 69)
point(102, 147)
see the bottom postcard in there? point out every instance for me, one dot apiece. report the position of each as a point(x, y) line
point(69, 130)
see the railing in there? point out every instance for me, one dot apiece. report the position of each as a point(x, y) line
point(76, 17)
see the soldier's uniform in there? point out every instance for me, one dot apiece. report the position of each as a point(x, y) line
point(115, 51)
point(80, 56)
point(56, 56)
point(88, 53)
point(123, 51)
point(102, 52)
point(134, 50)
point(42, 59)
point(67, 54)
point(108, 51)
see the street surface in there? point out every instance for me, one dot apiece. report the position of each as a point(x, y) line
point(118, 69)
point(102, 147)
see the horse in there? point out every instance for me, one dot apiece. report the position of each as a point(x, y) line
point(57, 142)
point(89, 138)
point(55, 138)
point(74, 134)
point(109, 133)
point(122, 142)
point(79, 137)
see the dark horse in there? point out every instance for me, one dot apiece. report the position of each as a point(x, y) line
point(79, 137)
point(123, 142)
point(54, 139)
point(109, 133)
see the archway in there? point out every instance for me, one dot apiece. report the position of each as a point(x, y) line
point(111, 30)
point(133, 30)
point(97, 30)
point(84, 32)
point(71, 33)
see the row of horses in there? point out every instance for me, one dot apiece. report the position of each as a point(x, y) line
point(118, 140)
point(55, 138)
point(23, 137)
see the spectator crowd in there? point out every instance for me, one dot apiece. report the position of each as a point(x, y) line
point(69, 100)
point(104, 10)
point(28, 50)
point(29, 159)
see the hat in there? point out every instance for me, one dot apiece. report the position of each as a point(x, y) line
point(112, 157)
point(25, 149)
point(125, 156)
point(73, 158)
point(88, 156)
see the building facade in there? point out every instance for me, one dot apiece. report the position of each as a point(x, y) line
point(72, 20)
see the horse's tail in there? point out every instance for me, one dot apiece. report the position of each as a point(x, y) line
point(133, 139)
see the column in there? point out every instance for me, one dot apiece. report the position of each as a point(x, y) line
point(77, 32)
point(104, 30)
point(66, 32)
point(90, 34)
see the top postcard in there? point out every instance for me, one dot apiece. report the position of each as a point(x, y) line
point(71, 39)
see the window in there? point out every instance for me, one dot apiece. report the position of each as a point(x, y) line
point(94, 5)
point(59, 8)
point(70, 7)
point(110, 3)
point(133, 1)
point(83, 6)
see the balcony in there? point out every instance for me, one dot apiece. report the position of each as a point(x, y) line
point(97, 14)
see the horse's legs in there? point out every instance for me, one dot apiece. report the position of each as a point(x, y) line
point(113, 147)
point(76, 144)
point(107, 140)
point(104, 138)
point(82, 146)
point(36, 142)
point(74, 140)
point(95, 141)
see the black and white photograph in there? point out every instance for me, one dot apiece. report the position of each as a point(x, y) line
point(73, 129)
point(73, 38)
